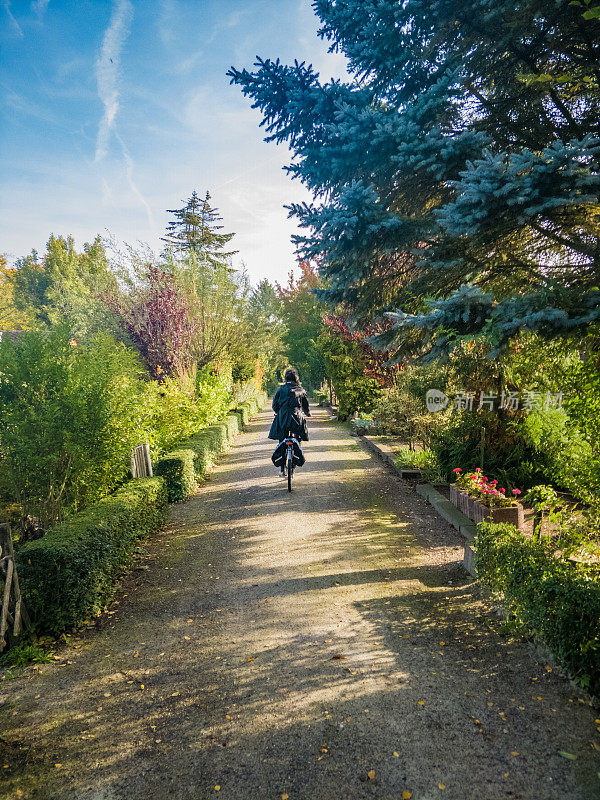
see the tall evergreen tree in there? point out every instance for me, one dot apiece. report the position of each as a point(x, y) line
point(465, 150)
point(195, 228)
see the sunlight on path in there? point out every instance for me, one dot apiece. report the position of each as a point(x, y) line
point(323, 644)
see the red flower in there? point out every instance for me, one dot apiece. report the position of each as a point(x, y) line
point(516, 491)
point(478, 469)
point(457, 469)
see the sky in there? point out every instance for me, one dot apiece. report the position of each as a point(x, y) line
point(113, 111)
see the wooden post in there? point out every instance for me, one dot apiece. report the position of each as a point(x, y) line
point(148, 459)
point(11, 589)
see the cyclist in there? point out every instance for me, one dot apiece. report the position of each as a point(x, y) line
point(290, 405)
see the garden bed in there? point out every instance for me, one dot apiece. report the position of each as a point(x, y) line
point(478, 512)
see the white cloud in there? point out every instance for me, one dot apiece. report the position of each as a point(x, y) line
point(107, 74)
point(165, 22)
point(13, 21)
point(40, 6)
point(132, 184)
point(107, 71)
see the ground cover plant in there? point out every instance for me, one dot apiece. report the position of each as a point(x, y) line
point(553, 594)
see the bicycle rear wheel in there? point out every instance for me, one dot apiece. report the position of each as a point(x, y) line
point(290, 470)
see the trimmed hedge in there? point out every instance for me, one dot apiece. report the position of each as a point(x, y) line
point(177, 468)
point(231, 421)
point(247, 409)
point(552, 596)
point(68, 575)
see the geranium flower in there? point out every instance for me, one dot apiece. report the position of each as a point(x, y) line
point(502, 489)
point(516, 491)
point(478, 469)
point(457, 469)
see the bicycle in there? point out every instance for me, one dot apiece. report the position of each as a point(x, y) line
point(289, 459)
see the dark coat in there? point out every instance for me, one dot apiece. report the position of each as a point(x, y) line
point(290, 405)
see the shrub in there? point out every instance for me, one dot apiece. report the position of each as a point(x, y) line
point(404, 415)
point(70, 414)
point(425, 460)
point(68, 575)
point(206, 446)
point(551, 595)
point(177, 468)
point(231, 421)
point(245, 412)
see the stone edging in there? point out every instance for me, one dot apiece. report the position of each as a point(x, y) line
point(444, 507)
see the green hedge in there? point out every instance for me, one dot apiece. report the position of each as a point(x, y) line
point(68, 575)
point(177, 468)
point(552, 596)
point(208, 444)
point(242, 415)
point(233, 426)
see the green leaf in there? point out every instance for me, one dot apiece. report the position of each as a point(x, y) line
point(564, 754)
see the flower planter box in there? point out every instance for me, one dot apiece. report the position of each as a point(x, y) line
point(459, 499)
point(454, 493)
point(513, 515)
point(478, 512)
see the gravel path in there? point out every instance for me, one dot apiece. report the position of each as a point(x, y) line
point(322, 645)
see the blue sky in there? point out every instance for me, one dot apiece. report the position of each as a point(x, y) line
point(114, 110)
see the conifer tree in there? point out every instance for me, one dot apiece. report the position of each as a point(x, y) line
point(195, 229)
point(464, 151)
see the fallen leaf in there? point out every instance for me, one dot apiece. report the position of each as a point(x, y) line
point(564, 754)
point(396, 754)
point(58, 766)
point(514, 753)
point(421, 702)
point(284, 796)
point(371, 774)
point(406, 795)
point(227, 716)
point(142, 686)
point(441, 786)
point(217, 788)
point(250, 659)
point(338, 655)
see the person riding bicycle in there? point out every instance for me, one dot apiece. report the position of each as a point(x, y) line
point(290, 405)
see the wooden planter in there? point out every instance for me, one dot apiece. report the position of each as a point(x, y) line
point(460, 499)
point(478, 512)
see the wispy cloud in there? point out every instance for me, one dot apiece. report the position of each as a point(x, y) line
point(107, 75)
point(129, 166)
point(168, 11)
point(107, 71)
point(39, 7)
point(15, 25)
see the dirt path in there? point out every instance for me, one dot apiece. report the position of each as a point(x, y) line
point(322, 646)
